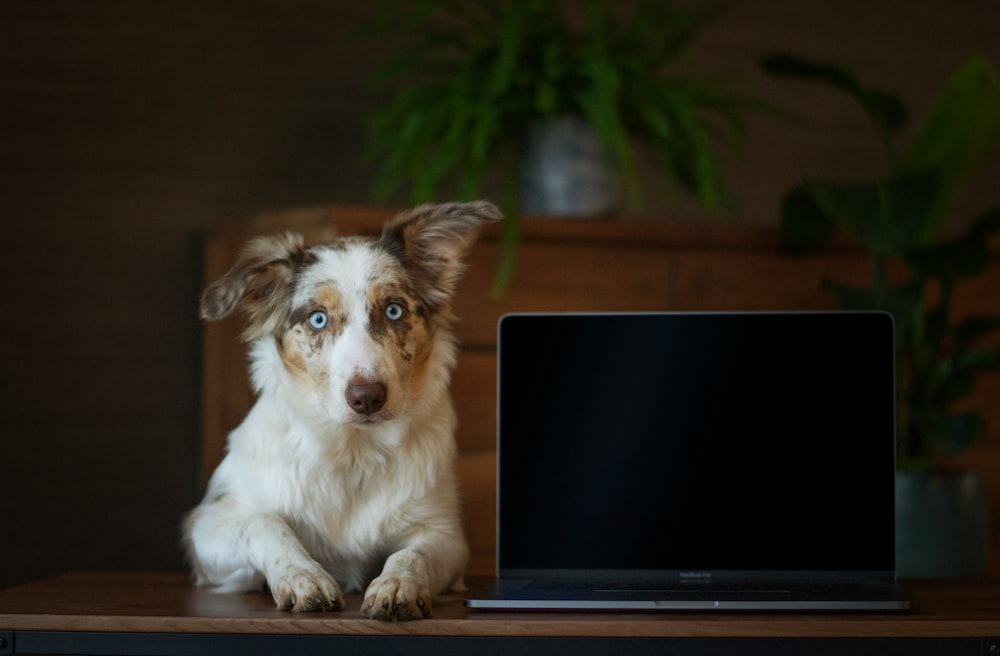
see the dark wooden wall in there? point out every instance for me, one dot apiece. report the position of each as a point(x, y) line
point(128, 126)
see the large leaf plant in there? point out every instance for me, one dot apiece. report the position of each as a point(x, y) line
point(900, 219)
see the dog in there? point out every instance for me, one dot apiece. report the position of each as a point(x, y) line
point(341, 478)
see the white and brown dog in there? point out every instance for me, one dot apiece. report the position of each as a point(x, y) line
point(341, 477)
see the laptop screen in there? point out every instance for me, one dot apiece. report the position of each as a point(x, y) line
point(696, 442)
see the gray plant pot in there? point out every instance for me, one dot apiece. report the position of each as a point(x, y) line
point(942, 525)
point(564, 171)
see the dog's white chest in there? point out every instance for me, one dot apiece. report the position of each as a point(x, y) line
point(341, 497)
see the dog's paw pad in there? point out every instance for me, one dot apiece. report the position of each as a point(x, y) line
point(396, 599)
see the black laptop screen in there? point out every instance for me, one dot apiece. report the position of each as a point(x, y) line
point(696, 441)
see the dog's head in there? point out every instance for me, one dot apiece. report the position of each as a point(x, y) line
point(357, 326)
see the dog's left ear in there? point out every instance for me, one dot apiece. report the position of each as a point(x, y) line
point(430, 240)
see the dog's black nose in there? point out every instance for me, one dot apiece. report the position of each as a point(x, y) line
point(366, 398)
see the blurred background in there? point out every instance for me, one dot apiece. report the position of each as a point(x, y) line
point(128, 126)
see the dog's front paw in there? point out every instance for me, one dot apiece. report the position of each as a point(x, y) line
point(306, 590)
point(396, 598)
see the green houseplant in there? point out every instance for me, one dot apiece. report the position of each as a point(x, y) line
point(899, 220)
point(474, 78)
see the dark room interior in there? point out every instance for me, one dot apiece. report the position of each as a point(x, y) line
point(131, 126)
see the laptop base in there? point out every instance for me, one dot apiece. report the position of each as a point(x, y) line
point(511, 595)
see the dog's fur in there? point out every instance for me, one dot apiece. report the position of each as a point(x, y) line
point(341, 477)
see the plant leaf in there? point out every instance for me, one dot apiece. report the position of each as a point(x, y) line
point(661, 30)
point(601, 109)
point(976, 360)
point(961, 257)
point(885, 216)
point(955, 377)
point(957, 136)
point(804, 223)
point(900, 300)
point(986, 224)
point(885, 110)
point(973, 327)
point(953, 434)
point(950, 260)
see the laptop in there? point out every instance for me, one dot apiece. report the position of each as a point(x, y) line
point(695, 461)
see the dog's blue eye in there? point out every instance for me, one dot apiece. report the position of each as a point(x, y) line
point(318, 320)
point(394, 311)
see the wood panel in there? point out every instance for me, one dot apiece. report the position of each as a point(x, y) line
point(478, 475)
point(560, 277)
point(757, 280)
point(474, 391)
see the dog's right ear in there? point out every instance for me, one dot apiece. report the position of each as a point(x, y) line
point(258, 284)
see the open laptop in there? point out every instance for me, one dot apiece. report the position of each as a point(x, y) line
point(695, 461)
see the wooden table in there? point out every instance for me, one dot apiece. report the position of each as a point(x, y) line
point(161, 613)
